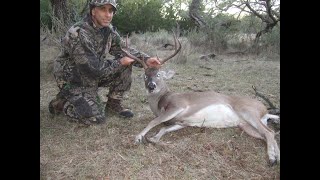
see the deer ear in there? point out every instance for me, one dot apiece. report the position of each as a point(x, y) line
point(168, 75)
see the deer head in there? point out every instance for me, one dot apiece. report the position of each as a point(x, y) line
point(154, 78)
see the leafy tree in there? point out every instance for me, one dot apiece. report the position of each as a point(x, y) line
point(195, 13)
point(268, 11)
point(175, 12)
point(138, 16)
point(250, 24)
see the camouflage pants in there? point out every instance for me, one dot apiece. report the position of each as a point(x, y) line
point(84, 105)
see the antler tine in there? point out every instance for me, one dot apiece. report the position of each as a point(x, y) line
point(176, 49)
point(132, 56)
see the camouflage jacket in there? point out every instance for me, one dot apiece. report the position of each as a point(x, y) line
point(82, 62)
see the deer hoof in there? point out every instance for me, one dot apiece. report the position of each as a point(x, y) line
point(139, 139)
point(273, 162)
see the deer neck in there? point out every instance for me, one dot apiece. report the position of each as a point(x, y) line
point(155, 98)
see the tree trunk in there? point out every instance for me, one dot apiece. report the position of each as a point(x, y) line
point(271, 18)
point(267, 29)
point(194, 13)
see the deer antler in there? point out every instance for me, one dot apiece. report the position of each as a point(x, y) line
point(176, 49)
point(133, 57)
point(145, 66)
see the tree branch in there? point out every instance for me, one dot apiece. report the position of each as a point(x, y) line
point(263, 97)
point(194, 13)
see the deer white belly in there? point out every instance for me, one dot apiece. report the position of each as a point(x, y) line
point(216, 116)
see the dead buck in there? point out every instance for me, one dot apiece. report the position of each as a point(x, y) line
point(203, 109)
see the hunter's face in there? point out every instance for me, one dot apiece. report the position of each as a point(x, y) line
point(102, 15)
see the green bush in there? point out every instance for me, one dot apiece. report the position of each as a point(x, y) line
point(271, 40)
point(138, 16)
point(45, 11)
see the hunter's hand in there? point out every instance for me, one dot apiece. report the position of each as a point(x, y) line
point(126, 61)
point(153, 62)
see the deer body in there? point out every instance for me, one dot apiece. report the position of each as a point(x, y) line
point(204, 109)
point(201, 109)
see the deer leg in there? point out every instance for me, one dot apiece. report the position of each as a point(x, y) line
point(250, 130)
point(273, 149)
point(165, 130)
point(268, 136)
point(165, 116)
point(272, 146)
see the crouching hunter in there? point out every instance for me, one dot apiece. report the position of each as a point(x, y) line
point(82, 67)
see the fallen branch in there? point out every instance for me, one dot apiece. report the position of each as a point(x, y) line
point(166, 45)
point(272, 109)
point(208, 56)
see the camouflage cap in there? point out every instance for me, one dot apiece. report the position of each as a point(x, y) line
point(103, 2)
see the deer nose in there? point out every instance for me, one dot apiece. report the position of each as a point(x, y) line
point(151, 85)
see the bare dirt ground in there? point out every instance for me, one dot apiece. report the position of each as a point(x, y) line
point(72, 151)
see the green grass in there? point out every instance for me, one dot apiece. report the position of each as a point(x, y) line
point(72, 151)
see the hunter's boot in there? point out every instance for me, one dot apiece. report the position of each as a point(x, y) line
point(114, 106)
point(56, 106)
